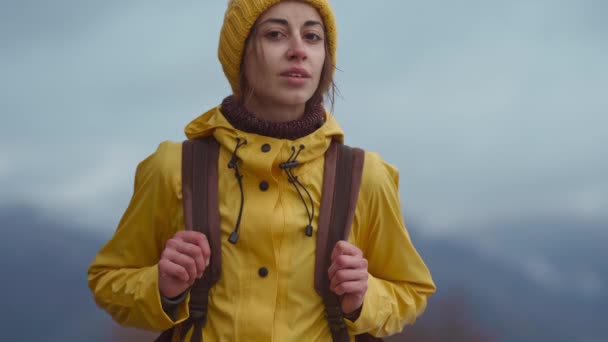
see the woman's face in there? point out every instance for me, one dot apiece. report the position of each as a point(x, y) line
point(283, 67)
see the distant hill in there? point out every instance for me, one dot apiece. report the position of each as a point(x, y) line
point(46, 295)
point(485, 266)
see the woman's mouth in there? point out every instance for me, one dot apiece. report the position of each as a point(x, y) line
point(296, 72)
point(295, 77)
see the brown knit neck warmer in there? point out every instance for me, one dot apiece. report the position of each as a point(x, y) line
point(241, 119)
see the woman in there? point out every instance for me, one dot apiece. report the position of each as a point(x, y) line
point(279, 58)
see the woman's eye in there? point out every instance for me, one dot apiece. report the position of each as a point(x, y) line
point(312, 36)
point(274, 35)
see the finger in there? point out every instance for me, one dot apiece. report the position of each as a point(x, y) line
point(350, 287)
point(342, 262)
point(205, 248)
point(177, 244)
point(183, 260)
point(167, 268)
point(345, 276)
point(194, 252)
point(196, 238)
point(345, 248)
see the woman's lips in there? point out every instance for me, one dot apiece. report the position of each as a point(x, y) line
point(296, 72)
point(296, 76)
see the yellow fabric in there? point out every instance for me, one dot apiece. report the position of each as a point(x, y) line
point(244, 306)
point(240, 17)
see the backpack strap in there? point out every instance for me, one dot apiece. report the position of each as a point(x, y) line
point(341, 183)
point(201, 214)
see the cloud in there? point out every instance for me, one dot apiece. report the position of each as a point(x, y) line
point(98, 194)
point(500, 117)
point(543, 273)
point(90, 193)
point(590, 283)
point(589, 202)
point(489, 114)
point(580, 282)
point(536, 261)
point(4, 165)
point(97, 182)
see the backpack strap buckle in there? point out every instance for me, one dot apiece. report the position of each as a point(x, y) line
point(335, 318)
point(198, 315)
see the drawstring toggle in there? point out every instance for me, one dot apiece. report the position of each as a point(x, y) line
point(233, 164)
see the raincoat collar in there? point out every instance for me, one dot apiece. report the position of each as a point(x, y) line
point(315, 144)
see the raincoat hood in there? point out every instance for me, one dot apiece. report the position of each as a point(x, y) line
point(212, 120)
point(315, 144)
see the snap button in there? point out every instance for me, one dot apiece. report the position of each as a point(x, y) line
point(264, 185)
point(265, 148)
point(263, 272)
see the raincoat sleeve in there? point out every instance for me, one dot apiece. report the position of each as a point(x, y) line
point(124, 275)
point(399, 282)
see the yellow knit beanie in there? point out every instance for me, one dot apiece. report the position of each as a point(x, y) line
point(238, 21)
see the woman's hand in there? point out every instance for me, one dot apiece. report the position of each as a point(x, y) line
point(183, 260)
point(348, 275)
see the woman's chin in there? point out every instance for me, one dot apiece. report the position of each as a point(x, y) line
point(294, 98)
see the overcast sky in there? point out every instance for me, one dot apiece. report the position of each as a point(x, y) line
point(491, 109)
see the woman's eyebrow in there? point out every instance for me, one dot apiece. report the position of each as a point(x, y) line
point(284, 22)
point(313, 23)
point(275, 21)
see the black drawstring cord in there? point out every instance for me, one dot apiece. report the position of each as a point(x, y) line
point(312, 205)
point(233, 164)
point(292, 162)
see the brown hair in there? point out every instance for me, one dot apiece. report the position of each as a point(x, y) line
point(326, 90)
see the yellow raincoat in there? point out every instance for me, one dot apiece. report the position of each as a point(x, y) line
point(245, 306)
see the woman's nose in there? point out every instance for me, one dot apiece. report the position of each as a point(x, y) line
point(297, 50)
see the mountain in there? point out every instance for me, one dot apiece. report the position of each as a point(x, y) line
point(538, 279)
point(46, 293)
point(485, 288)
